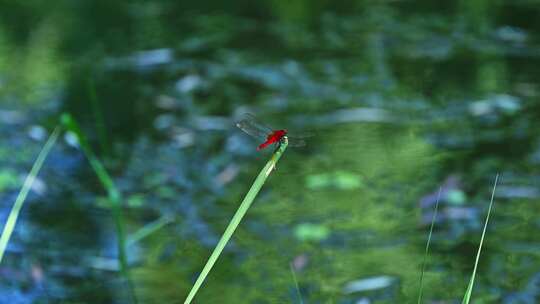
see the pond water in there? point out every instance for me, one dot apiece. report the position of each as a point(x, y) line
point(403, 98)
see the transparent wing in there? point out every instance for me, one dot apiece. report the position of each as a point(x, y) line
point(252, 126)
point(299, 139)
point(296, 141)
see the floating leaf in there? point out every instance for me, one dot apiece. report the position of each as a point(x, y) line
point(341, 180)
point(317, 181)
point(311, 232)
point(347, 181)
point(456, 197)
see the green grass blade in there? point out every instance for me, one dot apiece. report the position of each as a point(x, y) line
point(113, 194)
point(107, 182)
point(235, 221)
point(427, 246)
point(21, 197)
point(148, 229)
point(296, 284)
point(467, 296)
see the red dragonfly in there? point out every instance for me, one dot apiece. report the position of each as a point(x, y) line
point(252, 126)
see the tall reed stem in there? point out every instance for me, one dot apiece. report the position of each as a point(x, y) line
point(113, 194)
point(21, 197)
point(235, 221)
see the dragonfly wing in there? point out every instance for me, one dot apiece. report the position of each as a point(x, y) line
point(296, 141)
point(302, 135)
point(253, 127)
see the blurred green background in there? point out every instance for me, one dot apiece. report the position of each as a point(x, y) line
point(404, 97)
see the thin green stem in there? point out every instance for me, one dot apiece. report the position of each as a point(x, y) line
point(296, 284)
point(148, 229)
point(467, 296)
point(235, 221)
point(113, 194)
point(21, 197)
point(427, 246)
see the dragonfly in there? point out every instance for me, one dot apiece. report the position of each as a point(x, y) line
point(251, 125)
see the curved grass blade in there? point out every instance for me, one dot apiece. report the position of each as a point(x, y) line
point(148, 229)
point(235, 221)
point(467, 296)
point(298, 293)
point(21, 197)
point(427, 246)
point(113, 194)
